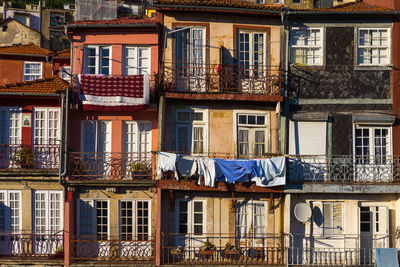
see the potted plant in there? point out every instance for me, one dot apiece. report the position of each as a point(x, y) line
point(231, 249)
point(60, 253)
point(208, 248)
point(177, 250)
point(24, 158)
point(140, 168)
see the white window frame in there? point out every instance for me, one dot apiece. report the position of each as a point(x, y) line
point(48, 207)
point(190, 216)
point(94, 215)
point(108, 125)
point(65, 72)
point(25, 75)
point(98, 65)
point(8, 111)
point(251, 52)
point(134, 220)
point(308, 47)
point(46, 126)
point(138, 70)
point(266, 127)
point(190, 124)
point(321, 231)
point(371, 47)
point(250, 204)
point(7, 204)
point(141, 155)
point(371, 138)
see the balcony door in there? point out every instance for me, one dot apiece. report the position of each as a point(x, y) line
point(374, 231)
point(190, 59)
point(48, 222)
point(10, 222)
point(46, 137)
point(191, 223)
point(10, 135)
point(96, 138)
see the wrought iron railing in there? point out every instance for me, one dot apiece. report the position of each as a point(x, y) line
point(113, 249)
point(226, 248)
point(221, 78)
point(336, 250)
point(37, 245)
point(109, 166)
point(344, 169)
point(40, 156)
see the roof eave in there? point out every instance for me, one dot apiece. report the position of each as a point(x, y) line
point(32, 94)
point(350, 13)
point(23, 55)
point(215, 8)
point(129, 25)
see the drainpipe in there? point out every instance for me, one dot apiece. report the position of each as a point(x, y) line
point(285, 121)
point(61, 170)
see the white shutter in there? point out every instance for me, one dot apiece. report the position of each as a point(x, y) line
point(145, 139)
point(131, 136)
point(131, 67)
point(317, 219)
point(338, 218)
point(328, 218)
point(307, 138)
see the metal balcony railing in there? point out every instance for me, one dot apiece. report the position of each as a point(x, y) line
point(110, 166)
point(344, 169)
point(227, 248)
point(113, 249)
point(32, 245)
point(221, 78)
point(38, 156)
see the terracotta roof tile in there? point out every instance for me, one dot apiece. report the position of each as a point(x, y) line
point(355, 6)
point(24, 49)
point(63, 53)
point(41, 86)
point(125, 20)
point(220, 3)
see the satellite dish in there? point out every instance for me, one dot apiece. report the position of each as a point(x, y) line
point(187, 166)
point(302, 212)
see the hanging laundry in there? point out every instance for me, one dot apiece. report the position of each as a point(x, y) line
point(236, 170)
point(167, 162)
point(206, 168)
point(270, 172)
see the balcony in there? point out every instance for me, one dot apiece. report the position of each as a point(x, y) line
point(15, 158)
point(221, 79)
point(228, 249)
point(134, 249)
point(36, 246)
point(116, 166)
point(344, 169)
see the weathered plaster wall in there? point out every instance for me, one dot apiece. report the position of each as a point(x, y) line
point(18, 33)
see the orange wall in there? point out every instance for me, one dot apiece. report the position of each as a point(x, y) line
point(117, 41)
point(117, 119)
point(12, 71)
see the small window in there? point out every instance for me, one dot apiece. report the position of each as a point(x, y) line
point(373, 47)
point(191, 217)
point(32, 71)
point(306, 46)
point(251, 135)
point(327, 218)
point(191, 131)
point(65, 73)
point(136, 60)
point(98, 60)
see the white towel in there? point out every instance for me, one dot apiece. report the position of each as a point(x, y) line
point(167, 162)
point(206, 168)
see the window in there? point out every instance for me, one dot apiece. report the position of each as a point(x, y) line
point(373, 47)
point(94, 218)
point(251, 134)
point(96, 136)
point(10, 135)
point(372, 144)
point(136, 60)
point(10, 211)
point(306, 46)
point(32, 71)
point(65, 73)
point(134, 219)
point(48, 212)
point(24, 18)
point(98, 60)
point(327, 218)
point(251, 51)
point(296, 1)
point(191, 130)
point(191, 217)
point(46, 127)
point(251, 218)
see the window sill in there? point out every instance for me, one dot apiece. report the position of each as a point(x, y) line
point(373, 67)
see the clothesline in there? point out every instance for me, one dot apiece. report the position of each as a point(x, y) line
point(264, 172)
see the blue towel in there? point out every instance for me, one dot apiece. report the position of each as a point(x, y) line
point(386, 257)
point(236, 170)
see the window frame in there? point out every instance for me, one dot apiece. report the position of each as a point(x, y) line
point(138, 144)
point(136, 66)
point(97, 65)
point(250, 203)
point(30, 74)
point(321, 47)
point(9, 110)
point(65, 70)
point(48, 207)
point(46, 126)
point(93, 201)
point(134, 220)
point(190, 216)
point(324, 233)
point(371, 137)
point(108, 125)
point(251, 33)
point(388, 47)
point(190, 124)
point(7, 203)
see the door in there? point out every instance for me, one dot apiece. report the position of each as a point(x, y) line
point(191, 223)
point(48, 222)
point(46, 137)
point(10, 223)
point(10, 136)
point(190, 59)
point(374, 231)
point(97, 147)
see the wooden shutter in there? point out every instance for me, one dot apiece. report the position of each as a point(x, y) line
point(307, 138)
point(338, 218)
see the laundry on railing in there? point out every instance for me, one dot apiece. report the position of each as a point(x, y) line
point(264, 172)
point(386, 257)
